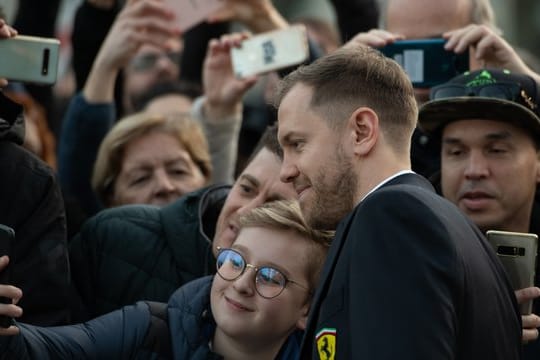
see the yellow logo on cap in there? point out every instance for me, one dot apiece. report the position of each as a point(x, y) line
point(326, 343)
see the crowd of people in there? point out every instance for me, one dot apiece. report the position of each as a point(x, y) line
point(327, 211)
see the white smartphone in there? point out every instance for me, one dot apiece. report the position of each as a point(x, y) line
point(517, 252)
point(29, 59)
point(271, 51)
point(191, 12)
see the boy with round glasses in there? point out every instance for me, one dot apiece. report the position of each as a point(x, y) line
point(254, 308)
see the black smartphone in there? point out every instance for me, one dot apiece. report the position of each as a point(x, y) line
point(7, 236)
point(426, 61)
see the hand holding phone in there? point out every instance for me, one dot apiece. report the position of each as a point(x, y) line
point(426, 61)
point(189, 13)
point(517, 252)
point(271, 51)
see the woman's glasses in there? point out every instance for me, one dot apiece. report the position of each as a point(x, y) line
point(269, 282)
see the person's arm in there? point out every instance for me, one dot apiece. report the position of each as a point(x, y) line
point(220, 110)
point(489, 50)
point(117, 335)
point(355, 16)
point(91, 24)
point(84, 127)
point(92, 114)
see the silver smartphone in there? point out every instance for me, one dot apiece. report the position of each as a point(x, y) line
point(271, 51)
point(517, 252)
point(29, 59)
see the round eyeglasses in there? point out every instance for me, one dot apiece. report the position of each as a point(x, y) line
point(269, 282)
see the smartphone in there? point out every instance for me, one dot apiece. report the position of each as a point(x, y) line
point(189, 13)
point(271, 51)
point(426, 62)
point(517, 252)
point(7, 236)
point(29, 59)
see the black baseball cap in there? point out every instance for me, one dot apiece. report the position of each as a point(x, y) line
point(483, 94)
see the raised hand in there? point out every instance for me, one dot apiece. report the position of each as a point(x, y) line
point(9, 310)
point(223, 90)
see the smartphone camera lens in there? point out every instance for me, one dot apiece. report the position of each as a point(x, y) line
point(511, 251)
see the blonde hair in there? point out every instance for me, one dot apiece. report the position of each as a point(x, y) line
point(111, 151)
point(286, 215)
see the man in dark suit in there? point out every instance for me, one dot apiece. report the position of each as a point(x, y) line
point(408, 276)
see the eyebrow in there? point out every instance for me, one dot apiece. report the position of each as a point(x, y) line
point(287, 138)
point(502, 135)
point(252, 179)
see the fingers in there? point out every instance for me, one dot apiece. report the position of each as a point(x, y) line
point(6, 31)
point(10, 331)
point(531, 321)
point(472, 35)
point(226, 43)
point(530, 333)
point(527, 294)
point(4, 260)
point(150, 15)
point(375, 38)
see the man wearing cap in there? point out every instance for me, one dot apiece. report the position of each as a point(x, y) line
point(488, 124)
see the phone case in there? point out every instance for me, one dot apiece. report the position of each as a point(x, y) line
point(426, 62)
point(29, 59)
point(517, 252)
point(271, 51)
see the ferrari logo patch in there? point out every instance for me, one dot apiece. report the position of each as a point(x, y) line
point(326, 343)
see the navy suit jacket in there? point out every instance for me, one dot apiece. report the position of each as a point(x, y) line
point(408, 276)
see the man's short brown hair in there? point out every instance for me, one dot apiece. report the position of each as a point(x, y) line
point(354, 77)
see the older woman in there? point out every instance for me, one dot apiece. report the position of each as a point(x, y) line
point(151, 159)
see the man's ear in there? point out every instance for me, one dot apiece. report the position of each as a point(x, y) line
point(364, 129)
point(302, 322)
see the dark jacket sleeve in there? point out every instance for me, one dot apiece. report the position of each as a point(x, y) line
point(117, 335)
point(355, 16)
point(90, 27)
point(32, 205)
point(84, 127)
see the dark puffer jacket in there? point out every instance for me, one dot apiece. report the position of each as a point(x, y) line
point(142, 252)
point(31, 204)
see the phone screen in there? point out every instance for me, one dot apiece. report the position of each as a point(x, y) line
point(426, 62)
point(7, 235)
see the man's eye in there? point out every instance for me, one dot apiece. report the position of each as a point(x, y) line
point(246, 189)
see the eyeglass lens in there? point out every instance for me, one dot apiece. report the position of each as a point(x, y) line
point(148, 61)
point(269, 282)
